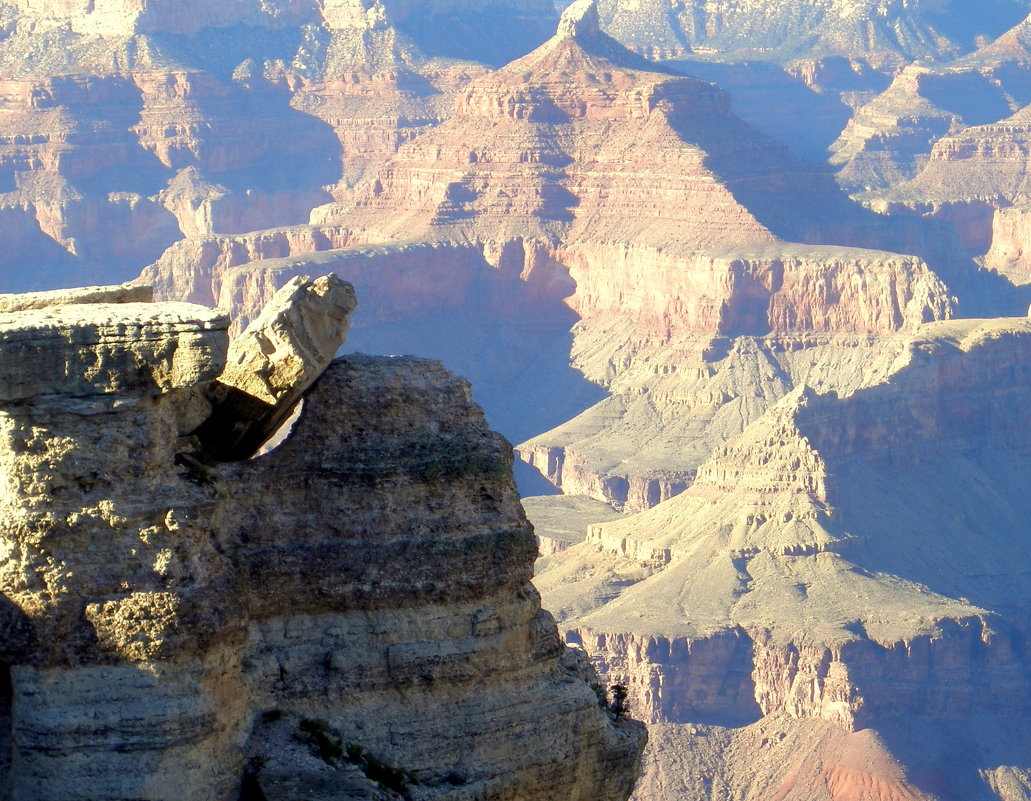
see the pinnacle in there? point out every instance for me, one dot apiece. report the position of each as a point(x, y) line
point(580, 19)
point(377, 16)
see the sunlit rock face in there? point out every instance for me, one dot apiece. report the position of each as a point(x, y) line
point(843, 577)
point(265, 628)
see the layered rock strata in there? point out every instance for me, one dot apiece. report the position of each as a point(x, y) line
point(706, 349)
point(530, 151)
point(956, 136)
point(130, 126)
point(347, 614)
point(884, 34)
point(273, 363)
point(967, 177)
point(547, 171)
point(853, 558)
point(889, 139)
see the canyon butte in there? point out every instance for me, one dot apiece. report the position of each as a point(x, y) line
point(747, 283)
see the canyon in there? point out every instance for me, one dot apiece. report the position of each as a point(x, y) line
point(849, 563)
point(745, 284)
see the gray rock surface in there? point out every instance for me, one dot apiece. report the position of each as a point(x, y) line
point(123, 293)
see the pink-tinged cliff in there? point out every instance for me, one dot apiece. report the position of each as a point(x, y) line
point(631, 195)
point(130, 126)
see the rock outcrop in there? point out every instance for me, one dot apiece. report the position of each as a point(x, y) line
point(1011, 235)
point(884, 34)
point(347, 616)
point(272, 364)
point(853, 558)
point(126, 293)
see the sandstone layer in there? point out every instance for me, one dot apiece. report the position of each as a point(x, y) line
point(544, 191)
point(853, 560)
point(348, 616)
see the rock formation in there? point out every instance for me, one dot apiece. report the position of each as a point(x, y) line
point(130, 125)
point(526, 212)
point(890, 138)
point(972, 173)
point(801, 479)
point(271, 365)
point(806, 104)
point(347, 616)
point(682, 382)
point(130, 147)
point(529, 149)
point(852, 561)
point(1009, 254)
point(883, 33)
point(944, 141)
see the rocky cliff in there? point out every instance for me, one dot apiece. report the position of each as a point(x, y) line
point(883, 33)
point(943, 141)
point(853, 560)
point(129, 126)
point(889, 139)
point(1008, 254)
point(543, 193)
point(347, 616)
point(530, 151)
point(683, 376)
point(968, 176)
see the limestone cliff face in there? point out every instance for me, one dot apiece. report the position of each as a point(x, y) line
point(348, 616)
